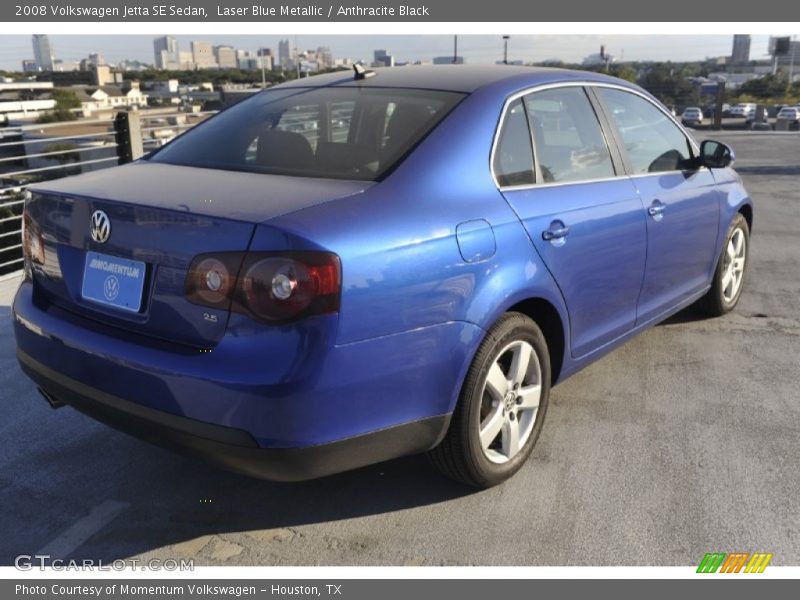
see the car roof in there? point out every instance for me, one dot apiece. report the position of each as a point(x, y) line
point(455, 78)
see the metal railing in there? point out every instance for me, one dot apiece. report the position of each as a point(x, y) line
point(41, 152)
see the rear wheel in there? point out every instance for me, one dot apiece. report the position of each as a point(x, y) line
point(501, 408)
point(729, 276)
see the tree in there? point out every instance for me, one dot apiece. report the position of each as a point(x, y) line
point(667, 82)
point(66, 101)
point(625, 72)
point(768, 86)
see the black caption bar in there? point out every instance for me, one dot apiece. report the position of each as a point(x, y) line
point(733, 588)
point(404, 11)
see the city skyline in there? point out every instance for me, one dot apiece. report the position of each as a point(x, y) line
point(405, 48)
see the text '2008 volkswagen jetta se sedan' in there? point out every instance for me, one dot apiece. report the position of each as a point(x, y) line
point(349, 268)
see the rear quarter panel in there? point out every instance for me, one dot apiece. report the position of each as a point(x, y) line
point(402, 268)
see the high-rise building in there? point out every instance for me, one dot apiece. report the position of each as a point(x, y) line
point(96, 59)
point(245, 60)
point(324, 57)
point(225, 57)
point(284, 54)
point(740, 54)
point(383, 59)
point(265, 59)
point(792, 57)
point(203, 55)
point(248, 63)
point(185, 61)
point(43, 53)
point(61, 66)
point(166, 52)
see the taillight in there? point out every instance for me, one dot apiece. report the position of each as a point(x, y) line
point(32, 241)
point(272, 287)
point(212, 279)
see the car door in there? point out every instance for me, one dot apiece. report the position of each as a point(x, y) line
point(679, 197)
point(585, 221)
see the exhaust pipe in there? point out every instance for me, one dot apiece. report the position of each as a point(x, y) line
point(51, 400)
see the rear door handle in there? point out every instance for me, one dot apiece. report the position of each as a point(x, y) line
point(556, 231)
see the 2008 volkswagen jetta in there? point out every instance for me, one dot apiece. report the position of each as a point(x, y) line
point(350, 268)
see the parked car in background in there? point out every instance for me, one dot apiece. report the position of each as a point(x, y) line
point(759, 115)
point(744, 110)
point(290, 302)
point(710, 110)
point(789, 115)
point(692, 116)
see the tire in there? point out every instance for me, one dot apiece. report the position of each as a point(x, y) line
point(495, 390)
point(722, 299)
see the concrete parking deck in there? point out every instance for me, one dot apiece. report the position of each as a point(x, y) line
point(684, 441)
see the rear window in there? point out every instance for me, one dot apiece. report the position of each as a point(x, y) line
point(340, 133)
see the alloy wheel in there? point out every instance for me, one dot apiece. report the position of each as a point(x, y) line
point(510, 403)
point(733, 265)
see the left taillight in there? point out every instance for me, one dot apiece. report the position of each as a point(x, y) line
point(273, 287)
point(32, 242)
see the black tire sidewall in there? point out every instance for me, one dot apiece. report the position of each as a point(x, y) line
point(739, 222)
point(515, 327)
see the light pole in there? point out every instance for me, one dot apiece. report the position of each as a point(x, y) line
point(296, 57)
point(263, 71)
point(505, 49)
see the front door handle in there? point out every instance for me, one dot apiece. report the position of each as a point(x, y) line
point(656, 209)
point(556, 231)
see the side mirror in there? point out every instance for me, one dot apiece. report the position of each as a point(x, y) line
point(716, 155)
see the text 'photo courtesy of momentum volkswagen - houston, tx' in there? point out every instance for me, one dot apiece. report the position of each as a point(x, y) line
point(349, 268)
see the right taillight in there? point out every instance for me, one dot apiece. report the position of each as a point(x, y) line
point(212, 279)
point(272, 287)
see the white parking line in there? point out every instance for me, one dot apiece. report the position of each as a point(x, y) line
point(83, 529)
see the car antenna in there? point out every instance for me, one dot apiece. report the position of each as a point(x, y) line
point(361, 72)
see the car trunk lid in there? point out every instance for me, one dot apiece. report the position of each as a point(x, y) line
point(160, 217)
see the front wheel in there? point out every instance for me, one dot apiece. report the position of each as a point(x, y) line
point(728, 282)
point(501, 408)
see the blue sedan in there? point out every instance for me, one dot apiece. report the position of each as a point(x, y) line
point(350, 268)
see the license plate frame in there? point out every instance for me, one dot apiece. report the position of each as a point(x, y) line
point(113, 281)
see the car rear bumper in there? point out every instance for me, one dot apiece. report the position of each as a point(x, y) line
point(234, 449)
point(293, 393)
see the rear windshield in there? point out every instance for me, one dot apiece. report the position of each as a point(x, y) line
point(341, 133)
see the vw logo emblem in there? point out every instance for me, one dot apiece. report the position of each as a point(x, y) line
point(111, 288)
point(100, 227)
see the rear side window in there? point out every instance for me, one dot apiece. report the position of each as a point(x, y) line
point(341, 133)
point(513, 155)
point(570, 145)
point(654, 143)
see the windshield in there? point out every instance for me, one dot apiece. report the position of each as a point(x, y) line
point(341, 133)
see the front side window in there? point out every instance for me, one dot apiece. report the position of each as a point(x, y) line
point(341, 133)
point(569, 143)
point(654, 143)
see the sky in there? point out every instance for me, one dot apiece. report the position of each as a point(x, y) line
point(475, 48)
